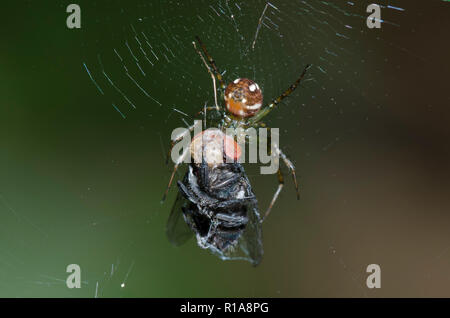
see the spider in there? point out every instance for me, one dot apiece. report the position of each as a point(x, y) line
point(243, 109)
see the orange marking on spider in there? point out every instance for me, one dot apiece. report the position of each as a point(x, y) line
point(243, 98)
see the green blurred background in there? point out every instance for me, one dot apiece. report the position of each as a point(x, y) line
point(368, 132)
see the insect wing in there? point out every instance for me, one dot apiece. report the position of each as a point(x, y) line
point(251, 241)
point(249, 246)
point(178, 232)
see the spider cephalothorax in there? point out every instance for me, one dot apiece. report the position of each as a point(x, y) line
point(243, 97)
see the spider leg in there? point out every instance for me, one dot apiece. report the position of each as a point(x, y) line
point(175, 167)
point(211, 62)
point(291, 167)
point(207, 109)
point(173, 142)
point(210, 73)
point(263, 112)
point(277, 193)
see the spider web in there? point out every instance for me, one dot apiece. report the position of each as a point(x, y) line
point(84, 168)
point(140, 61)
point(143, 63)
point(152, 69)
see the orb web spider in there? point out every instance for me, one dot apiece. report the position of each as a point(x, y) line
point(243, 101)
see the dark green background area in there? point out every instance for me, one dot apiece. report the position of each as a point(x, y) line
point(370, 140)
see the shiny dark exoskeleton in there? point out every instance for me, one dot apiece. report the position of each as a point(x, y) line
point(218, 205)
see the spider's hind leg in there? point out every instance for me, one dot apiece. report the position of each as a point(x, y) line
point(291, 168)
point(277, 193)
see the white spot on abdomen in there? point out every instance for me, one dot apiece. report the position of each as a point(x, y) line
point(256, 106)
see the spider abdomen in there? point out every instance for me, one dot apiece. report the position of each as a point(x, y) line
point(243, 97)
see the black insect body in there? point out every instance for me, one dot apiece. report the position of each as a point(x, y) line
point(218, 205)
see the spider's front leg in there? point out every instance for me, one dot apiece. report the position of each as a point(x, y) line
point(263, 112)
point(175, 167)
point(205, 110)
point(214, 67)
point(180, 159)
point(177, 139)
point(212, 63)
